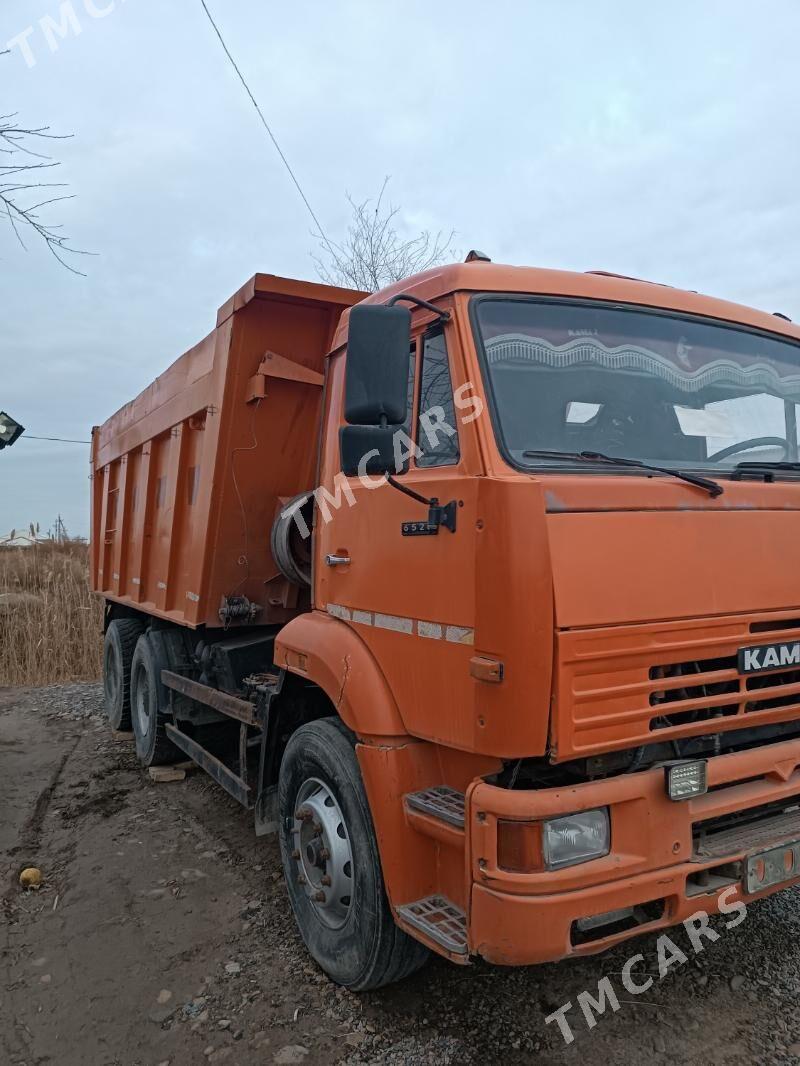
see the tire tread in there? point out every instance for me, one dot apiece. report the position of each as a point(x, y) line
point(162, 751)
point(128, 630)
point(395, 954)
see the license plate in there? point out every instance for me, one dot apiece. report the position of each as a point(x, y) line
point(772, 867)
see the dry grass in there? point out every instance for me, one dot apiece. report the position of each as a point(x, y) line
point(50, 624)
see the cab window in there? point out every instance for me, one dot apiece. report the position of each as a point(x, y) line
point(437, 434)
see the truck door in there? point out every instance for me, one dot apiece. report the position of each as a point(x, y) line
point(411, 599)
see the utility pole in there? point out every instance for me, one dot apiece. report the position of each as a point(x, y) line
point(60, 531)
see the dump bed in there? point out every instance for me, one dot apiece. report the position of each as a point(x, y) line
point(188, 477)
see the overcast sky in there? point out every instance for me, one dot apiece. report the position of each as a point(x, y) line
point(658, 141)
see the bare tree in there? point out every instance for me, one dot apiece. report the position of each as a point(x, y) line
point(25, 190)
point(374, 254)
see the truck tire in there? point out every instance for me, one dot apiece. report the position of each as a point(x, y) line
point(329, 850)
point(153, 747)
point(118, 648)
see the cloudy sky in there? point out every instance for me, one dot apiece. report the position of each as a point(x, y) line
point(658, 141)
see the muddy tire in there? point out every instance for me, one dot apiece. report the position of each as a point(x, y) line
point(153, 747)
point(118, 648)
point(328, 848)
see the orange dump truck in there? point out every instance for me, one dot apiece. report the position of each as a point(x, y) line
point(482, 592)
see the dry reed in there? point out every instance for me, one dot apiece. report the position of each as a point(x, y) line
point(50, 623)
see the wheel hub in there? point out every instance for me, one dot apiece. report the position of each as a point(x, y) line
point(322, 853)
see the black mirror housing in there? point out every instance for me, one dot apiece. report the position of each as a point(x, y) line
point(367, 450)
point(378, 354)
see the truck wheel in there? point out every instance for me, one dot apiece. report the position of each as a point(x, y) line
point(153, 747)
point(118, 648)
point(331, 863)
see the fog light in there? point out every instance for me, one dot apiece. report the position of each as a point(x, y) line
point(576, 838)
point(686, 779)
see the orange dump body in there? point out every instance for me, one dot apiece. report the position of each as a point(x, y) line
point(188, 477)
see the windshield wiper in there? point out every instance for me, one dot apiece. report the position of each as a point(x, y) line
point(768, 464)
point(713, 488)
point(763, 466)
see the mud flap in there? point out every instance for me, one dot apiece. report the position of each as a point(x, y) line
point(266, 812)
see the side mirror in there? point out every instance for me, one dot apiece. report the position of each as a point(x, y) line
point(378, 354)
point(367, 450)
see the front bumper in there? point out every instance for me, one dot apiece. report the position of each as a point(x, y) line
point(666, 860)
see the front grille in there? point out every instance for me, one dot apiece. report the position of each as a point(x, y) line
point(665, 699)
point(699, 714)
point(775, 625)
point(787, 698)
point(704, 681)
point(632, 686)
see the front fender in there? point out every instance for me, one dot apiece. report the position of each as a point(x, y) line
point(332, 655)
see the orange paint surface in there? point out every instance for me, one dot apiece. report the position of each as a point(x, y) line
point(188, 477)
point(582, 589)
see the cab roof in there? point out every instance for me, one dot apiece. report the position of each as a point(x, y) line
point(480, 276)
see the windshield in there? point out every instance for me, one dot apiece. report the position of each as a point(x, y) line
point(645, 385)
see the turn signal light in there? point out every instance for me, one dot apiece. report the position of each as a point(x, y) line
point(519, 846)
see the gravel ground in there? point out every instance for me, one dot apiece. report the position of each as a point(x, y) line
point(162, 935)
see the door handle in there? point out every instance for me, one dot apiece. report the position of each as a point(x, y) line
point(337, 560)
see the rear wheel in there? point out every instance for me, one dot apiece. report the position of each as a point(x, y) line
point(118, 648)
point(331, 862)
point(153, 747)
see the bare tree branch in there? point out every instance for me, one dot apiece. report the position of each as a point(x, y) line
point(373, 254)
point(22, 200)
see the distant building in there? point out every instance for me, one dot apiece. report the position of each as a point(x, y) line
point(19, 538)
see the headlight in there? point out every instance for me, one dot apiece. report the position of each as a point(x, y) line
point(576, 838)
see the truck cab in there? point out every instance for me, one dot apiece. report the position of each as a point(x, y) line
point(553, 615)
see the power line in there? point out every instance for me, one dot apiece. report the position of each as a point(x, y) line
point(61, 440)
point(272, 137)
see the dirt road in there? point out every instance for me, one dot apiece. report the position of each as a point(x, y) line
point(162, 935)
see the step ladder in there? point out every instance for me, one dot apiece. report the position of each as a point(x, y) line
point(440, 802)
point(437, 917)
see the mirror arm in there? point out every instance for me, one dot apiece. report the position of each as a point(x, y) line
point(409, 492)
point(408, 298)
